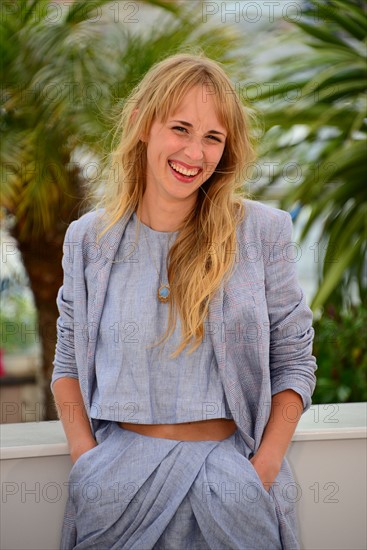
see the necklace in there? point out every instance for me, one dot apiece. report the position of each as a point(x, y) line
point(164, 290)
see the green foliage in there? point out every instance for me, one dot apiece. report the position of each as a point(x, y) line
point(315, 116)
point(341, 349)
point(18, 320)
point(65, 73)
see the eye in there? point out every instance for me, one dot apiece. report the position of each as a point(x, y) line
point(180, 129)
point(211, 137)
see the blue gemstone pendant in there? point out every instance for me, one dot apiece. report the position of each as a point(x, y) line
point(163, 293)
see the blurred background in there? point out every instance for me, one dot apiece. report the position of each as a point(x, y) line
point(299, 66)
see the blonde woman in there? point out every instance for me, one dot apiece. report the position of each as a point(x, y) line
point(183, 360)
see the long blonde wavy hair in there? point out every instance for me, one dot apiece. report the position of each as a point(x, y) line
point(202, 254)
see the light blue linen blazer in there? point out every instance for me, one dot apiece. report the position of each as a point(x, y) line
point(259, 324)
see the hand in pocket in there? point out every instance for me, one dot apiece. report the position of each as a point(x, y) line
point(80, 448)
point(266, 468)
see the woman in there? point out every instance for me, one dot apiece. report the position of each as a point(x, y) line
point(183, 360)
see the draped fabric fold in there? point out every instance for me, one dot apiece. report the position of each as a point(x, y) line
point(139, 493)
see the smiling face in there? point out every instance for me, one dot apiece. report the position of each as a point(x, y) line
point(184, 151)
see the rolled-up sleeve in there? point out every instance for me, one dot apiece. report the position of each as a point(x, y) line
point(292, 365)
point(65, 361)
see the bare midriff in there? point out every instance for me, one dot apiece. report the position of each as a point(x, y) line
point(202, 430)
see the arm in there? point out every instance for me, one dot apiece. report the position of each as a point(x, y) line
point(69, 403)
point(286, 410)
point(65, 379)
point(292, 365)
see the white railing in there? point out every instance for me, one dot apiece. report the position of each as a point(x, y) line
point(327, 454)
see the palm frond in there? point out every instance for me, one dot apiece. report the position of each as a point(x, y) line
point(328, 81)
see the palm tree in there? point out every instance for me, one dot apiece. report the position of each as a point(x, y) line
point(65, 74)
point(315, 117)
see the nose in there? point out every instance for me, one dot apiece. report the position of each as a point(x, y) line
point(194, 148)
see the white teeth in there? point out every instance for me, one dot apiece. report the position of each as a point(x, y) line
point(182, 170)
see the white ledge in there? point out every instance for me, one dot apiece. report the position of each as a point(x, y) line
point(333, 421)
point(32, 439)
point(320, 422)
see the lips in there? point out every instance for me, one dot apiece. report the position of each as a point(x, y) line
point(184, 170)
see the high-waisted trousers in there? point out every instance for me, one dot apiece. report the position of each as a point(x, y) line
point(138, 492)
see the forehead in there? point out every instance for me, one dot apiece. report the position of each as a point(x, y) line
point(199, 105)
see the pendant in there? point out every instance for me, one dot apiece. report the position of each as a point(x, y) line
point(163, 293)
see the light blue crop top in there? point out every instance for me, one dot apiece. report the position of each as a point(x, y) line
point(137, 384)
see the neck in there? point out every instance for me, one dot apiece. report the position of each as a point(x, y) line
point(162, 216)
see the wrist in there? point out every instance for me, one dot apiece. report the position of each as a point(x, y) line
point(267, 459)
point(80, 447)
point(267, 467)
point(270, 454)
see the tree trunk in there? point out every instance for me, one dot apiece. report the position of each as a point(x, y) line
point(42, 260)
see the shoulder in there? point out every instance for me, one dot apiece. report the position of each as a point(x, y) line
point(263, 222)
point(88, 225)
point(94, 235)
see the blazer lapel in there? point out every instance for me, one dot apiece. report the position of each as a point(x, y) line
point(227, 369)
point(214, 326)
point(99, 277)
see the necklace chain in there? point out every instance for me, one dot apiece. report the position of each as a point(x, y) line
point(164, 290)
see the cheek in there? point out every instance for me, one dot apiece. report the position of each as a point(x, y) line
point(214, 160)
point(174, 144)
point(221, 153)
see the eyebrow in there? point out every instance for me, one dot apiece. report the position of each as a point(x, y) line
point(191, 126)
